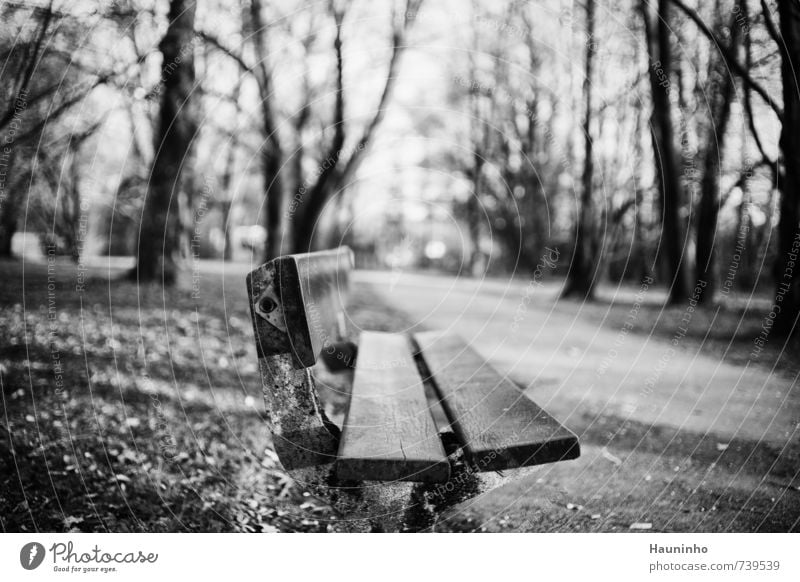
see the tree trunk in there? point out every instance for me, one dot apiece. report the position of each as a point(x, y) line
point(581, 276)
point(271, 151)
point(709, 205)
point(72, 204)
point(227, 202)
point(721, 98)
point(159, 241)
point(9, 201)
point(8, 226)
point(663, 135)
point(226, 198)
point(310, 207)
point(787, 266)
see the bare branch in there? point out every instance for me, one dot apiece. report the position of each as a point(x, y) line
point(398, 46)
point(730, 59)
point(216, 43)
point(748, 101)
point(772, 29)
point(319, 190)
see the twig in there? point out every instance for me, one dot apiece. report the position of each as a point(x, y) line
point(730, 59)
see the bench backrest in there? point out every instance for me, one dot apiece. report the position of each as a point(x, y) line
point(298, 303)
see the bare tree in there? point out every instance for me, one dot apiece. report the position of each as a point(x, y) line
point(226, 201)
point(663, 134)
point(786, 36)
point(41, 84)
point(787, 272)
point(334, 171)
point(582, 269)
point(160, 231)
point(271, 151)
point(721, 91)
point(308, 197)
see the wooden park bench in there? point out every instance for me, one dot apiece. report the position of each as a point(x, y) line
point(391, 466)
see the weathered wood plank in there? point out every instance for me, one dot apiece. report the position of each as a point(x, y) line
point(499, 426)
point(312, 290)
point(389, 433)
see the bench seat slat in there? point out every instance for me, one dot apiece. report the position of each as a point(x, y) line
point(498, 425)
point(389, 433)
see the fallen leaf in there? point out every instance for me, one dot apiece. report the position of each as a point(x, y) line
point(609, 456)
point(71, 520)
point(641, 525)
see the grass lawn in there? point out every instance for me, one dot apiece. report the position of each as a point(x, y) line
point(94, 439)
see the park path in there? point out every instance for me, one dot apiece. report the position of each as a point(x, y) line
point(572, 365)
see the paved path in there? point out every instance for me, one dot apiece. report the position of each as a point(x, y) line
point(572, 365)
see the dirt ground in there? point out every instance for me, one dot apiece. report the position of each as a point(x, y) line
point(90, 440)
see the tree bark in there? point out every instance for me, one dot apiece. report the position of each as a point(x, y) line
point(722, 87)
point(8, 222)
point(581, 275)
point(787, 266)
point(159, 242)
point(306, 214)
point(226, 201)
point(670, 250)
point(709, 199)
point(271, 150)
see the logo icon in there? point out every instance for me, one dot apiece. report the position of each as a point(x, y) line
point(31, 555)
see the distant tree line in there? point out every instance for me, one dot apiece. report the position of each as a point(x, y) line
point(649, 138)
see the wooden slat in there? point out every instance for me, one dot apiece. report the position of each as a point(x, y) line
point(389, 434)
point(498, 425)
